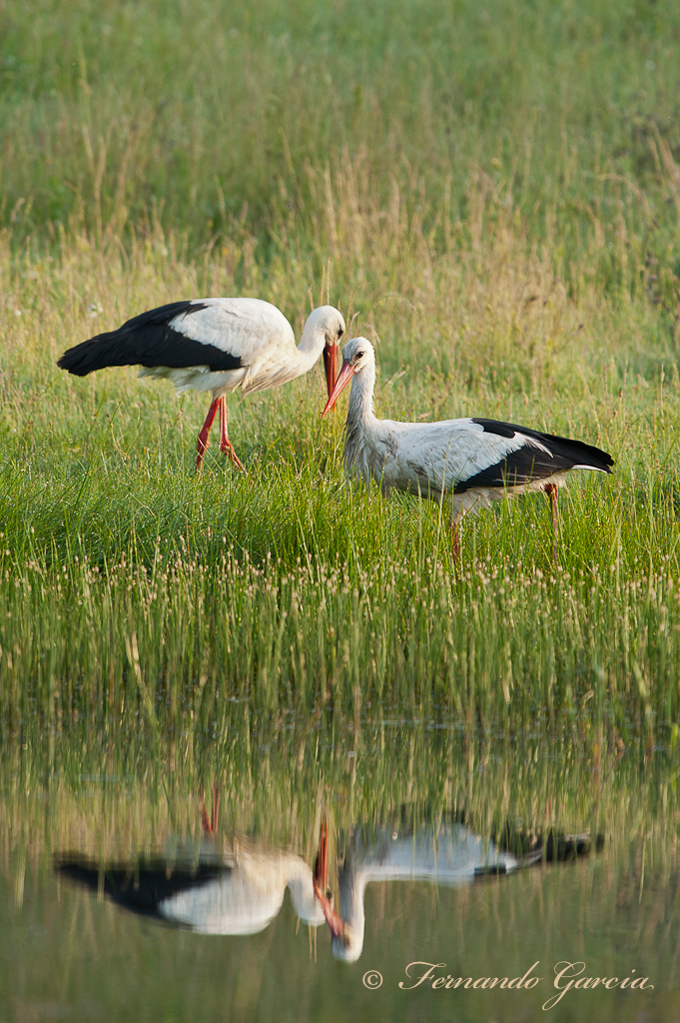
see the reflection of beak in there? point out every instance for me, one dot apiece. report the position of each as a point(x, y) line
point(321, 884)
point(346, 374)
point(321, 865)
point(337, 928)
point(330, 361)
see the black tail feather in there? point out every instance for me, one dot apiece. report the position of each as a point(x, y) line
point(148, 340)
point(137, 887)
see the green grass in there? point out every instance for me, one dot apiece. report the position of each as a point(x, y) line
point(494, 196)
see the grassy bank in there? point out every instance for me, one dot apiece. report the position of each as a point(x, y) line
point(130, 586)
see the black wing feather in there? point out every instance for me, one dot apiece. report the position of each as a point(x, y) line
point(148, 340)
point(139, 890)
point(531, 463)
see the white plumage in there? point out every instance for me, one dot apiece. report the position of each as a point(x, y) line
point(474, 460)
point(247, 895)
point(453, 857)
point(217, 345)
point(238, 891)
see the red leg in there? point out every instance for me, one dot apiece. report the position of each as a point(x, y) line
point(205, 432)
point(454, 541)
point(551, 491)
point(225, 444)
point(210, 823)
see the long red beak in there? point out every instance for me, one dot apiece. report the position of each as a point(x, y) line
point(321, 884)
point(330, 361)
point(335, 924)
point(344, 377)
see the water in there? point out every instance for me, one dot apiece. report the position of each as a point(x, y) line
point(117, 904)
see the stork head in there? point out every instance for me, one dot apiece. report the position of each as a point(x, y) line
point(325, 324)
point(356, 356)
point(346, 941)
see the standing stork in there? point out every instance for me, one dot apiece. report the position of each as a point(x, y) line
point(215, 344)
point(476, 460)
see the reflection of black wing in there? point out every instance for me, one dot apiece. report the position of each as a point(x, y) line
point(551, 846)
point(138, 888)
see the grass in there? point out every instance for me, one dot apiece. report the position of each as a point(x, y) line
point(493, 197)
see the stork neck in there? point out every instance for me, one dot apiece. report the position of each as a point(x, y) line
point(353, 883)
point(311, 343)
point(361, 396)
point(300, 884)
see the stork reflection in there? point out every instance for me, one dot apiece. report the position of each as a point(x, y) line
point(239, 888)
point(241, 894)
point(450, 856)
point(235, 889)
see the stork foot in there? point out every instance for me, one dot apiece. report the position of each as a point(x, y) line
point(225, 444)
point(228, 449)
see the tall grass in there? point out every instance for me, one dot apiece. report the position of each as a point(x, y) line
point(225, 115)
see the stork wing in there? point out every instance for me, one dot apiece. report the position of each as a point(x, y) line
point(241, 327)
point(460, 454)
point(221, 333)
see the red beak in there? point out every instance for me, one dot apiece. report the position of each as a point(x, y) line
point(330, 361)
point(346, 374)
point(335, 924)
point(321, 884)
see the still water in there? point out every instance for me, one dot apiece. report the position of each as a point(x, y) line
point(407, 915)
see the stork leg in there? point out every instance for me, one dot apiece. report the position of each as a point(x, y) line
point(205, 432)
point(225, 444)
point(455, 543)
point(209, 824)
point(551, 491)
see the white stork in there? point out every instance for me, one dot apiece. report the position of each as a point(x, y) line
point(215, 344)
point(476, 460)
point(237, 892)
point(453, 856)
point(233, 889)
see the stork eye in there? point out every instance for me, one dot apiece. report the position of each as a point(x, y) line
point(359, 355)
point(340, 332)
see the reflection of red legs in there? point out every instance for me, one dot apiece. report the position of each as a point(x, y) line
point(551, 491)
point(225, 444)
point(210, 823)
point(205, 432)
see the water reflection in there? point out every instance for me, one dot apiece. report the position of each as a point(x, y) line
point(238, 887)
point(237, 892)
point(125, 928)
point(452, 856)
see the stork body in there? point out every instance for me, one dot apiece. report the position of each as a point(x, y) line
point(453, 856)
point(215, 345)
point(476, 461)
point(238, 892)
